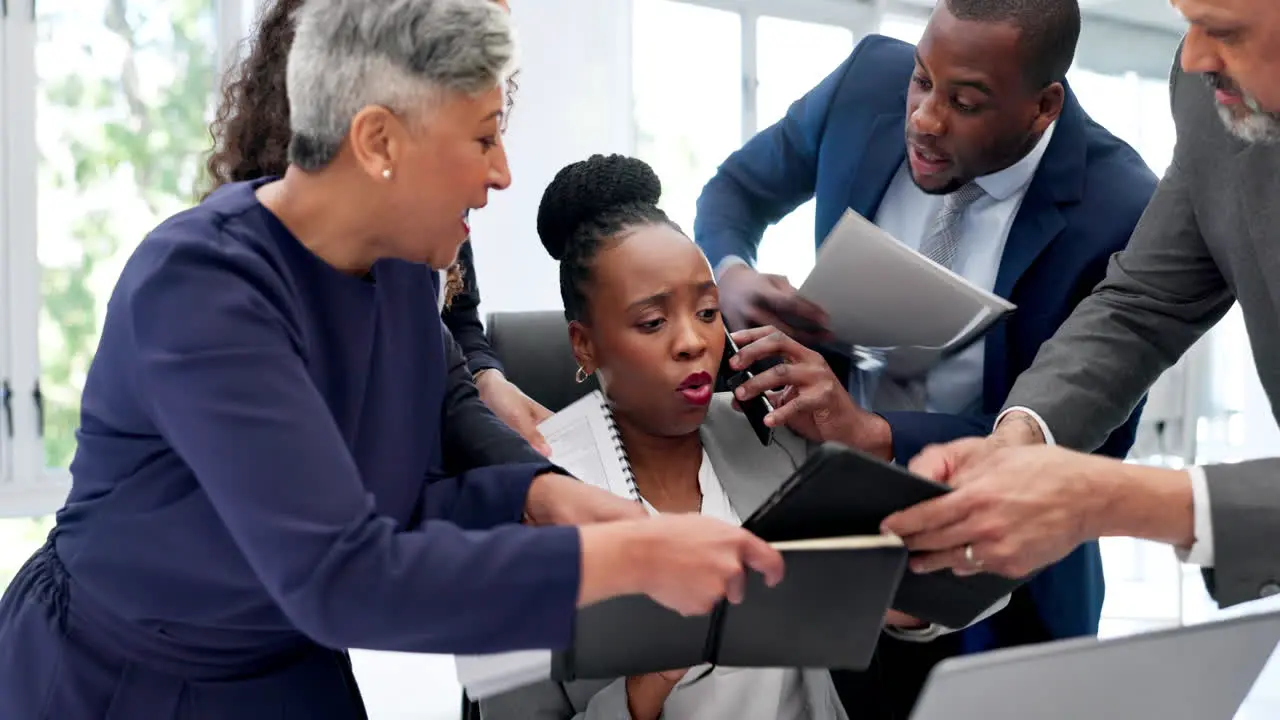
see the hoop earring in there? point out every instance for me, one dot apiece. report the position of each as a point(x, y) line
point(581, 375)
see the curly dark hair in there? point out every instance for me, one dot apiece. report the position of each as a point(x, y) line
point(251, 130)
point(251, 127)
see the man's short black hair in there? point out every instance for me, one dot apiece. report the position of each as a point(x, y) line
point(1050, 30)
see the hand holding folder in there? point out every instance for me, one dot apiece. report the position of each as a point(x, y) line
point(826, 613)
point(842, 576)
point(890, 305)
point(842, 491)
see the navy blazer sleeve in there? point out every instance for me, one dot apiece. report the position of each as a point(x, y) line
point(772, 174)
point(914, 431)
point(226, 385)
point(462, 317)
point(473, 435)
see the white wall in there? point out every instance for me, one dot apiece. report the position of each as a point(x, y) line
point(574, 100)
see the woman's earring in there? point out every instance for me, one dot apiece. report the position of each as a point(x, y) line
point(386, 173)
point(581, 375)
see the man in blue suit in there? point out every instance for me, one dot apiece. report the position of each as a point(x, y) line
point(970, 141)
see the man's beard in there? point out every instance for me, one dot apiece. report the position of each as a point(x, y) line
point(1247, 121)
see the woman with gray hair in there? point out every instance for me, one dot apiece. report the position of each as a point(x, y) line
point(256, 487)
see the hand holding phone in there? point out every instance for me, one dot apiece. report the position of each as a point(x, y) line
point(812, 402)
point(757, 407)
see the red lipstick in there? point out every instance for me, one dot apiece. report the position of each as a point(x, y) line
point(696, 389)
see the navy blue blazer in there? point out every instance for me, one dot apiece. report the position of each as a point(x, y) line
point(842, 143)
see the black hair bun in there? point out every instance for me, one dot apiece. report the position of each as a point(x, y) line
point(588, 189)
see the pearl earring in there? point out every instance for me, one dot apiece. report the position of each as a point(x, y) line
point(386, 173)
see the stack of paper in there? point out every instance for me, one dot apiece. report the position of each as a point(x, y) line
point(885, 299)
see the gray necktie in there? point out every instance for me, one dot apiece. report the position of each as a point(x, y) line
point(940, 246)
point(944, 235)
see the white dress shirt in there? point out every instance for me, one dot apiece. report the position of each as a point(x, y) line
point(1201, 551)
point(907, 213)
point(740, 693)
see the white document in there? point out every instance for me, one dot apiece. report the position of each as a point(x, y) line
point(884, 298)
point(584, 441)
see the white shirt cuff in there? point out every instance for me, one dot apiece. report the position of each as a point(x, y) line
point(728, 262)
point(1201, 551)
point(1044, 429)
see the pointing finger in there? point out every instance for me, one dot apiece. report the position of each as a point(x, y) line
point(928, 515)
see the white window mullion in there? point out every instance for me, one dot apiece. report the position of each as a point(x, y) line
point(28, 488)
point(7, 435)
point(750, 78)
point(20, 229)
point(869, 22)
point(231, 26)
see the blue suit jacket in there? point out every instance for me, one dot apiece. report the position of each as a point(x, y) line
point(842, 143)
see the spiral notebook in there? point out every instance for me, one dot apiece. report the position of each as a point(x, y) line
point(584, 440)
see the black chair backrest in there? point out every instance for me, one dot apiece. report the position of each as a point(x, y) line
point(535, 353)
point(534, 350)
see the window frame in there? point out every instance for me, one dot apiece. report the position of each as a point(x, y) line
point(7, 429)
point(860, 18)
point(29, 488)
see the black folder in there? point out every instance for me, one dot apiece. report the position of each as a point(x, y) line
point(842, 491)
point(827, 612)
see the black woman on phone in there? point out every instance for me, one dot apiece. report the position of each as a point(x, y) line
point(644, 318)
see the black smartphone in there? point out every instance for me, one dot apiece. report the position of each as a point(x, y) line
point(757, 407)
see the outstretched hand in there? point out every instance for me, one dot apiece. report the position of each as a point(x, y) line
point(520, 412)
point(750, 298)
point(1014, 509)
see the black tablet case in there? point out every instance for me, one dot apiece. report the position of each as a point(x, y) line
point(841, 491)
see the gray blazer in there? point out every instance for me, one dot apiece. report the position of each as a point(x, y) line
point(1210, 236)
point(750, 473)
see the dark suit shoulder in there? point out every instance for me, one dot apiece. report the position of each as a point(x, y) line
point(876, 76)
point(1116, 176)
point(1118, 183)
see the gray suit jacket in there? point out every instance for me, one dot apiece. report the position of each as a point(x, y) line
point(750, 473)
point(1210, 236)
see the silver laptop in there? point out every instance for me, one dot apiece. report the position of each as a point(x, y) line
point(1196, 672)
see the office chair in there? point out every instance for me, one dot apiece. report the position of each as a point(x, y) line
point(535, 353)
point(536, 356)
